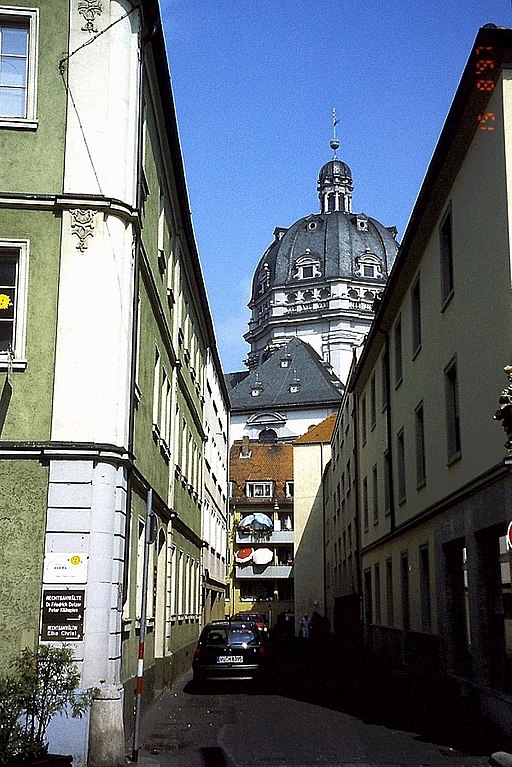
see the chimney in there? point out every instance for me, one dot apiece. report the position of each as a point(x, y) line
point(245, 445)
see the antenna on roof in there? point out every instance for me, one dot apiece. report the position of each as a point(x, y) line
point(334, 141)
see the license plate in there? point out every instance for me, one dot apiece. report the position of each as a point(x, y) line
point(230, 659)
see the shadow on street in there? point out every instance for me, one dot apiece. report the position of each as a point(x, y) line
point(320, 673)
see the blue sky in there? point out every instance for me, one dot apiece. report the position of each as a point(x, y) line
point(255, 83)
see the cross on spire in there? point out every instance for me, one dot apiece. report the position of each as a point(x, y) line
point(334, 141)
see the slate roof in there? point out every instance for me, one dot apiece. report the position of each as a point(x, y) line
point(232, 379)
point(320, 433)
point(333, 238)
point(318, 386)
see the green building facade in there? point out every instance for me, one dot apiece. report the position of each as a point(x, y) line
point(105, 334)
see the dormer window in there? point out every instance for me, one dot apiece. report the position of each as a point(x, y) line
point(294, 387)
point(307, 267)
point(286, 361)
point(368, 265)
point(263, 279)
point(256, 390)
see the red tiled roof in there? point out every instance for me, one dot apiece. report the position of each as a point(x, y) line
point(272, 462)
point(322, 432)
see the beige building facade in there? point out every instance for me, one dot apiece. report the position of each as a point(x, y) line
point(311, 454)
point(433, 488)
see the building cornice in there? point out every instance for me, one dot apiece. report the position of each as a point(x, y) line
point(59, 202)
point(65, 451)
point(486, 479)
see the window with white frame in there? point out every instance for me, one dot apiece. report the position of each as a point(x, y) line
point(18, 66)
point(13, 296)
point(162, 260)
point(307, 267)
point(259, 489)
point(368, 265)
point(173, 581)
point(181, 585)
point(165, 412)
point(156, 393)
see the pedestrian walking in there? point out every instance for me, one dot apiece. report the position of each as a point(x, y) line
point(304, 627)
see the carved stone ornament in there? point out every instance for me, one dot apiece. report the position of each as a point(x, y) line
point(89, 9)
point(82, 225)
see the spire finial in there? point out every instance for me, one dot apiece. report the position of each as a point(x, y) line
point(334, 141)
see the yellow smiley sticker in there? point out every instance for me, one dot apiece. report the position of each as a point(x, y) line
point(75, 560)
point(5, 301)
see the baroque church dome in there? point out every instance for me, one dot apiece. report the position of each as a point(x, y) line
point(319, 278)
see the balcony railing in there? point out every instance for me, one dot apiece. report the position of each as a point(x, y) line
point(263, 571)
point(273, 536)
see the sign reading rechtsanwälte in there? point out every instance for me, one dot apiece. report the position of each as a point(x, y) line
point(63, 615)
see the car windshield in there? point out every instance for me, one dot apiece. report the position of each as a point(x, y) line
point(220, 636)
point(242, 636)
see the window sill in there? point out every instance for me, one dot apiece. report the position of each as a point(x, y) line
point(16, 364)
point(20, 124)
point(454, 458)
point(447, 300)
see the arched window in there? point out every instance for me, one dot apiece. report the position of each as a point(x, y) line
point(267, 436)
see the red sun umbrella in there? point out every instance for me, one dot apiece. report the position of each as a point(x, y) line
point(244, 555)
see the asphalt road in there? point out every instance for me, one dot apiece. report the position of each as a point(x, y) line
point(311, 714)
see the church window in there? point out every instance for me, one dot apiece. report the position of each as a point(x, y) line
point(368, 265)
point(308, 295)
point(291, 298)
point(325, 293)
point(307, 267)
point(267, 436)
point(352, 293)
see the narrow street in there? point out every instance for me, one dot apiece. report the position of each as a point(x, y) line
point(311, 713)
